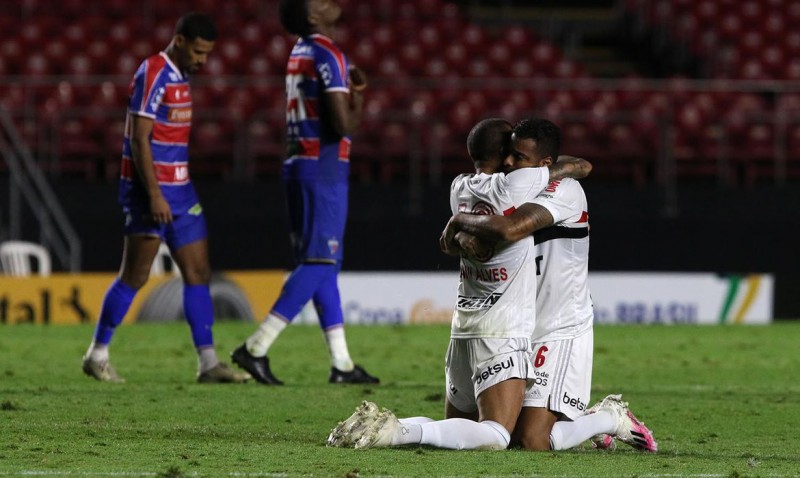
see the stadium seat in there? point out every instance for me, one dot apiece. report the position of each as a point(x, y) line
point(265, 148)
point(22, 259)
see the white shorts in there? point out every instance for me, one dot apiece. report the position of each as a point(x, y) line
point(473, 365)
point(563, 375)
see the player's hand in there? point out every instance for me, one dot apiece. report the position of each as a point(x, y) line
point(160, 212)
point(358, 79)
point(446, 241)
point(474, 248)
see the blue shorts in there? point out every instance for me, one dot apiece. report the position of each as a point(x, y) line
point(185, 228)
point(317, 216)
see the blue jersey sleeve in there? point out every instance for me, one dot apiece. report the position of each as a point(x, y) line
point(331, 66)
point(147, 89)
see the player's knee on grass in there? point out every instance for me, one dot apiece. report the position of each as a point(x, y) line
point(532, 431)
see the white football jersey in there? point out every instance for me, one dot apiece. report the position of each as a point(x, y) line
point(494, 295)
point(563, 303)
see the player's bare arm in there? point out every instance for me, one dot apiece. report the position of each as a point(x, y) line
point(347, 108)
point(522, 223)
point(569, 167)
point(160, 212)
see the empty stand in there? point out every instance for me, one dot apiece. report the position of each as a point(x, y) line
point(433, 73)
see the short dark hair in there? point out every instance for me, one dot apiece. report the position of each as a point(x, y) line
point(489, 139)
point(194, 25)
point(546, 134)
point(294, 17)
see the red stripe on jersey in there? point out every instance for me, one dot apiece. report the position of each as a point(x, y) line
point(328, 44)
point(165, 173)
point(509, 211)
point(176, 134)
point(584, 217)
point(310, 148)
point(301, 65)
point(153, 67)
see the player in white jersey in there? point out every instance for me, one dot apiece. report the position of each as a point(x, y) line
point(554, 413)
point(488, 363)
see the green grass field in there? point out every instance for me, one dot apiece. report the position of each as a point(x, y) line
point(722, 401)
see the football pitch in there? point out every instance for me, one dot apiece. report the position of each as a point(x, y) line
point(721, 401)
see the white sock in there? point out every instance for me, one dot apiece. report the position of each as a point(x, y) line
point(206, 358)
point(462, 434)
point(565, 435)
point(415, 420)
point(337, 345)
point(97, 352)
point(262, 339)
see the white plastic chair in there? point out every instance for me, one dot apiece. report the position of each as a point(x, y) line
point(17, 258)
point(164, 262)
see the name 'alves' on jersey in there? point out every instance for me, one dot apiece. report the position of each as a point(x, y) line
point(314, 149)
point(160, 91)
point(563, 303)
point(495, 296)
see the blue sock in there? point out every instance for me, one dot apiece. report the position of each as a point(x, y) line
point(300, 287)
point(199, 312)
point(328, 302)
point(116, 303)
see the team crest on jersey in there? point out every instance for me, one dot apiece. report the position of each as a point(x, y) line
point(333, 245)
point(483, 209)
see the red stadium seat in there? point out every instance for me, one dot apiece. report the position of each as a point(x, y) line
point(11, 51)
point(211, 148)
point(265, 147)
point(774, 26)
point(278, 49)
point(751, 12)
point(623, 155)
point(730, 26)
point(757, 152)
point(80, 150)
point(365, 55)
point(518, 39)
point(429, 38)
point(500, 58)
point(101, 57)
point(412, 58)
point(37, 65)
point(566, 68)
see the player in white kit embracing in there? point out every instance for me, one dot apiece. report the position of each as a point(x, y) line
point(555, 408)
point(488, 362)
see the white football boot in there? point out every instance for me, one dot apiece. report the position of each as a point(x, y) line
point(630, 430)
point(380, 432)
point(346, 432)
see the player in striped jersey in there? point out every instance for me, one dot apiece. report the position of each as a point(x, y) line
point(554, 414)
point(159, 201)
point(324, 96)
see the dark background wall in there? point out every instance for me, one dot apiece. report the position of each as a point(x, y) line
point(715, 229)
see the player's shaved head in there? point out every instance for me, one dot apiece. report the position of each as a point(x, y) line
point(294, 16)
point(489, 140)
